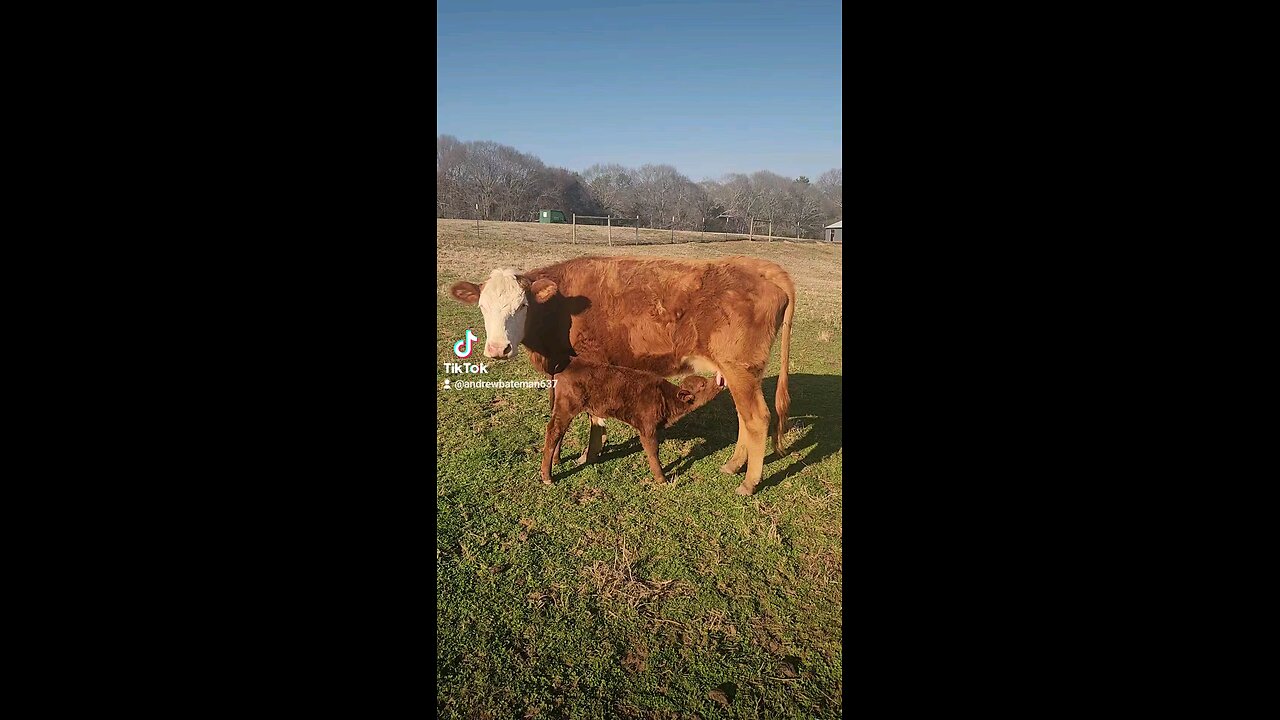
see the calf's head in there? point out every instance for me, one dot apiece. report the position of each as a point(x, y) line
point(504, 301)
point(695, 391)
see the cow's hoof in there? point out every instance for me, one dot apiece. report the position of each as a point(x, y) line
point(546, 479)
point(730, 469)
point(743, 491)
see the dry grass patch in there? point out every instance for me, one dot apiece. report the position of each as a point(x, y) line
point(614, 583)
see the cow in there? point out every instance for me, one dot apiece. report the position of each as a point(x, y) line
point(645, 401)
point(659, 315)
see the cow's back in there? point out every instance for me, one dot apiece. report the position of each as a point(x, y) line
point(654, 314)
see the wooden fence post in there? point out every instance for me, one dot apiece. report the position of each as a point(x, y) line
point(637, 229)
point(575, 228)
point(609, 227)
point(673, 229)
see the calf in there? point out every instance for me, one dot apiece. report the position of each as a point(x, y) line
point(640, 399)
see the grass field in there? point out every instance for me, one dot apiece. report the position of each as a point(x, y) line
point(605, 596)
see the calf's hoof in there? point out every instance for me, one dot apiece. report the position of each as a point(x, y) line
point(546, 479)
point(731, 468)
point(741, 490)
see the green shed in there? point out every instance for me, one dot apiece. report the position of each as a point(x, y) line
point(551, 216)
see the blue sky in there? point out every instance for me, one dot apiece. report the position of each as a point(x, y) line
point(708, 87)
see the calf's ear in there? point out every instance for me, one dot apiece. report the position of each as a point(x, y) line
point(466, 292)
point(684, 396)
point(543, 290)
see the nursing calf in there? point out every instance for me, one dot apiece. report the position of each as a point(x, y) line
point(642, 400)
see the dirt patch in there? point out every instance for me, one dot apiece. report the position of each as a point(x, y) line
point(723, 695)
point(636, 659)
point(587, 495)
point(527, 530)
point(524, 652)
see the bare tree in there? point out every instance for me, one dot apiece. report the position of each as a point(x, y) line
point(451, 157)
point(803, 208)
point(518, 182)
point(559, 188)
point(610, 186)
point(831, 185)
point(657, 187)
point(694, 207)
point(772, 190)
point(741, 199)
point(510, 185)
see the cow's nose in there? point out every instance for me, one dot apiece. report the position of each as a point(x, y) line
point(494, 351)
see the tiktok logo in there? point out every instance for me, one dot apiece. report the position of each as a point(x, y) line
point(466, 340)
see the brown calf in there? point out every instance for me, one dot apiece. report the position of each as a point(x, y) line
point(642, 400)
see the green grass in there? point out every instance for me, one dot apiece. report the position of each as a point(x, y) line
point(605, 595)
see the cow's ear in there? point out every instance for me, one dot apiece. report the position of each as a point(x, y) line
point(543, 290)
point(684, 396)
point(466, 292)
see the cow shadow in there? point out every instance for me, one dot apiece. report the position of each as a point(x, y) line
point(815, 410)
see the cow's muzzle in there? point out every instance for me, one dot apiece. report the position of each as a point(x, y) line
point(498, 352)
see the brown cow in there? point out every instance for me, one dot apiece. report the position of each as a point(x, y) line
point(664, 316)
point(642, 400)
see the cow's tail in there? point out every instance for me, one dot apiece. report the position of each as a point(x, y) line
point(782, 399)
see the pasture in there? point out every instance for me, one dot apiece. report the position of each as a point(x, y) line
point(604, 595)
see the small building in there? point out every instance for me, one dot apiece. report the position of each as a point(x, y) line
point(834, 231)
point(551, 216)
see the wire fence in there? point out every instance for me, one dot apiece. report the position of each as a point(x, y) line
point(612, 230)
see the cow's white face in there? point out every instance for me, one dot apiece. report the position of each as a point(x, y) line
point(504, 301)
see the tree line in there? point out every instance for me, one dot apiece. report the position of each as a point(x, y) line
point(507, 184)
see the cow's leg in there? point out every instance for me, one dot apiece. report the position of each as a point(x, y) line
point(594, 442)
point(739, 458)
point(649, 441)
point(753, 418)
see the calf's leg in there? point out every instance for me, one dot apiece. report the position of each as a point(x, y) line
point(561, 415)
point(649, 440)
point(555, 455)
point(594, 442)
